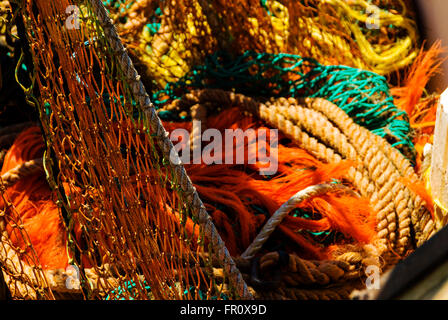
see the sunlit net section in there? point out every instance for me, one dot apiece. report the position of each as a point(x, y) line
point(131, 231)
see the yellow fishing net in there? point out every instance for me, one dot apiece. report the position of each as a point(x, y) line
point(170, 37)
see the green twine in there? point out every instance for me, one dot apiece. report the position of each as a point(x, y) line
point(363, 95)
point(264, 4)
point(123, 5)
point(130, 288)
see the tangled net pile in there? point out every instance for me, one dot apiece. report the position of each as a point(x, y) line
point(96, 171)
point(171, 37)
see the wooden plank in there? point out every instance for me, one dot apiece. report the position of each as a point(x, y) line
point(442, 293)
point(439, 162)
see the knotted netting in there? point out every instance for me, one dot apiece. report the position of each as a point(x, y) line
point(132, 217)
point(263, 48)
point(171, 37)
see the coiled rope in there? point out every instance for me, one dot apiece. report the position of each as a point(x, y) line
point(330, 134)
point(307, 279)
point(283, 211)
point(333, 279)
point(21, 171)
point(363, 95)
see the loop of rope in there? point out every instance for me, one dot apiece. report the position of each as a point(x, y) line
point(309, 279)
point(283, 211)
point(294, 276)
point(363, 95)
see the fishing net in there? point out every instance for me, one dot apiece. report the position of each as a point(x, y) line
point(129, 213)
point(171, 37)
point(129, 224)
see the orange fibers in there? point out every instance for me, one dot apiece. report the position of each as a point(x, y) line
point(418, 187)
point(412, 98)
point(240, 200)
point(32, 199)
point(237, 197)
point(425, 66)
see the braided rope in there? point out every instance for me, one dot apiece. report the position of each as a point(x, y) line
point(384, 165)
point(166, 146)
point(363, 95)
point(12, 265)
point(377, 169)
point(282, 212)
point(198, 113)
point(336, 293)
point(311, 280)
point(420, 219)
point(306, 272)
point(331, 135)
point(59, 280)
point(63, 282)
point(22, 171)
point(355, 256)
point(22, 279)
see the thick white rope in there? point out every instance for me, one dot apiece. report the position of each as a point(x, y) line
point(283, 211)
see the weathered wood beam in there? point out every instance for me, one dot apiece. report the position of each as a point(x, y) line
point(439, 163)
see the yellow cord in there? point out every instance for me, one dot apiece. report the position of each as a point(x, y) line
point(170, 56)
point(380, 58)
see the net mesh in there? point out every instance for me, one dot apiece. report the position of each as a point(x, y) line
point(171, 37)
point(125, 214)
point(363, 95)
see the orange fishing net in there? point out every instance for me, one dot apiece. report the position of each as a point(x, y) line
point(32, 198)
point(119, 200)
